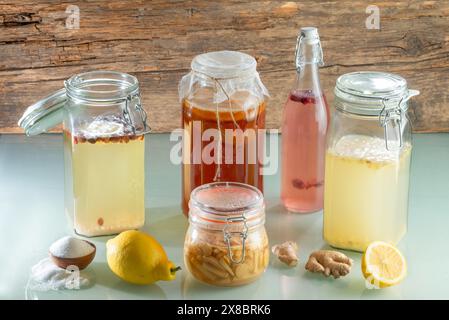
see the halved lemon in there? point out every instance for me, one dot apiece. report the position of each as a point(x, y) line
point(383, 265)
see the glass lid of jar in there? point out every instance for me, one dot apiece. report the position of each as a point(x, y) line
point(220, 200)
point(93, 86)
point(369, 92)
point(44, 114)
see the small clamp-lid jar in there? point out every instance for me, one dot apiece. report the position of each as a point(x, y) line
point(226, 243)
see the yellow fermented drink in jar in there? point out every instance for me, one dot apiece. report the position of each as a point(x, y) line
point(107, 181)
point(104, 124)
point(366, 192)
point(367, 163)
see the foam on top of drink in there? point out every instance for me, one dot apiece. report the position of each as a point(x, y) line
point(104, 127)
point(365, 147)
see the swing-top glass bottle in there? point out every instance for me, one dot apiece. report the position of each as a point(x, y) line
point(304, 127)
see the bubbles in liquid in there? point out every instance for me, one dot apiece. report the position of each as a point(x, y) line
point(104, 126)
point(365, 147)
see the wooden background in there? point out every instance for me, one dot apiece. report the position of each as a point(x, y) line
point(156, 40)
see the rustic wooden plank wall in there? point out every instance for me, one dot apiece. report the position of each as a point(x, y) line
point(156, 40)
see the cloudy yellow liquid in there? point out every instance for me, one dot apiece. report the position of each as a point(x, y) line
point(106, 195)
point(366, 193)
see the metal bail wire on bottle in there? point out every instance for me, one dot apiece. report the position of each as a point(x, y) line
point(318, 51)
point(242, 234)
point(391, 120)
point(298, 41)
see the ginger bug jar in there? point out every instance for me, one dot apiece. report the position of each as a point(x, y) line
point(104, 126)
point(367, 161)
point(226, 243)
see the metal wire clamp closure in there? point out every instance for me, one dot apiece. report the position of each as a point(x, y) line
point(393, 116)
point(229, 234)
point(141, 111)
point(320, 62)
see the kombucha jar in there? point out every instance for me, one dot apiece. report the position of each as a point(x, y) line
point(103, 132)
point(367, 161)
point(223, 109)
point(226, 243)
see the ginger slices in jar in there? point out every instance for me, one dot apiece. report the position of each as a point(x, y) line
point(212, 264)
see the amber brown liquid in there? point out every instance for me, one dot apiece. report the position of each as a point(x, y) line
point(231, 116)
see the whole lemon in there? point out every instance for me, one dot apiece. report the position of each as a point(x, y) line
point(138, 258)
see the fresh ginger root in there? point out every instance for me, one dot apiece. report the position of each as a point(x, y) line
point(286, 253)
point(329, 263)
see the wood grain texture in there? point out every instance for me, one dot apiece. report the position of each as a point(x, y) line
point(156, 41)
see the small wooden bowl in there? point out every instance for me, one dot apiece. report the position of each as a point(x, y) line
point(80, 262)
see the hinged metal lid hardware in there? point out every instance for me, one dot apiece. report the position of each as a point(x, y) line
point(391, 121)
point(243, 234)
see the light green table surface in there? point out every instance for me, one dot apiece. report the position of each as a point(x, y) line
point(32, 217)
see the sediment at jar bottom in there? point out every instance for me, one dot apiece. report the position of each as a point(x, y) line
point(84, 229)
point(212, 264)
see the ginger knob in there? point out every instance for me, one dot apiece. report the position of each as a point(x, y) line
point(286, 253)
point(329, 263)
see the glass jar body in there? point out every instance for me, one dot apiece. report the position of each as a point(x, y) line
point(206, 256)
point(366, 184)
point(104, 166)
point(222, 140)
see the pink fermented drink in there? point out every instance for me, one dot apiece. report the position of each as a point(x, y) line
point(304, 128)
